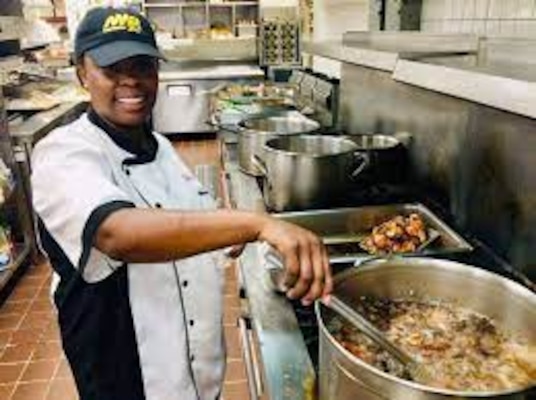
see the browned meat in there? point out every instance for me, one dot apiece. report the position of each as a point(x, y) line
point(398, 235)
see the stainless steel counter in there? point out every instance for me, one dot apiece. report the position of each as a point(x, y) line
point(288, 370)
point(39, 124)
point(189, 86)
point(25, 134)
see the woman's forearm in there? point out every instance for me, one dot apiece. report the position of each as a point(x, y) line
point(135, 235)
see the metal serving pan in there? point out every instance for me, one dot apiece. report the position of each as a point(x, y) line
point(342, 229)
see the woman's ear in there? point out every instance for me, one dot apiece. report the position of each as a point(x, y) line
point(81, 73)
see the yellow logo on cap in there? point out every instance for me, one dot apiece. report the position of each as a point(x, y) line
point(122, 22)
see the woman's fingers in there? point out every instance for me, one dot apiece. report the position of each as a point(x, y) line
point(316, 265)
point(307, 269)
point(314, 279)
point(306, 273)
point(328, 277)
point(292, 267)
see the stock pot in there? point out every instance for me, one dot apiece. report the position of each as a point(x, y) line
point(253, 133)
point(346, 377)
point(307, 171)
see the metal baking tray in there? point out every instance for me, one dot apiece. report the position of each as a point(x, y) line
point(342, 229)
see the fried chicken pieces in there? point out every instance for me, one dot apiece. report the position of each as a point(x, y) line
point(398, 235)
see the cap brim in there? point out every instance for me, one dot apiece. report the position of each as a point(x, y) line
point(113, 52)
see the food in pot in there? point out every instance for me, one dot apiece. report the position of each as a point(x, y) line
point(462, 350)
point(398, 235)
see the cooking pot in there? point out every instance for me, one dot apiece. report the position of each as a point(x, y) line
point(344, 376)
point(255, 131)
point(307, 171)
point(387, 157)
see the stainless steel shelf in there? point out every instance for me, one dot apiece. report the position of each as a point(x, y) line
point(200, 4)
point(163, 5)
point(505, 93)
point(382, 50)
point(495, 72)
point(381, 60)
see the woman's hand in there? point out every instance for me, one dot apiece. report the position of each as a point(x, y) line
point(307, 269)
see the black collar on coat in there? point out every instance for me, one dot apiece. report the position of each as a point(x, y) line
point(142, 154)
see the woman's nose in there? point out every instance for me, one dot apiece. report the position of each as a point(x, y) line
point(128, 77)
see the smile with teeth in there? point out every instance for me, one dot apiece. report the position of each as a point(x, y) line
point(131, 100)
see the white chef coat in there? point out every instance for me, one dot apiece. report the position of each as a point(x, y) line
point(137, 330)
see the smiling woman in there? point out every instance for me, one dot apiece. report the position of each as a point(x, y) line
point(133, 235)
point(124, 92)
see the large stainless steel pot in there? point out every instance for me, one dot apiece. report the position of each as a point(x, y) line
point(344, 376)
point(254, 132)
point(307, 171)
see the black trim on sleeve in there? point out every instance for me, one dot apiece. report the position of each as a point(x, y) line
point(94, 221)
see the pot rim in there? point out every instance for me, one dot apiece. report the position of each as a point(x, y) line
point(394, 142)
point(417, 262)
point(314, 125)
point(295, 154)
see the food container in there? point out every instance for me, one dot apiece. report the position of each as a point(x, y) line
point(346, 377)
point(308, 171)
point(342, 229)
point(254, 132)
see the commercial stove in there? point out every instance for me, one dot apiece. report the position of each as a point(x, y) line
point(286, 331)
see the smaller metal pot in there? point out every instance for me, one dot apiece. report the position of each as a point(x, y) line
point(308, 171)
point(387, 157)
point(254, 132)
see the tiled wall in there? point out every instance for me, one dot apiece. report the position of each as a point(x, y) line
point(512, 18)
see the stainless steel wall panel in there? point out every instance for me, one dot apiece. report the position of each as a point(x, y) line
point(479, 162)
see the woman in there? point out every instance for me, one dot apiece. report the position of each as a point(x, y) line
point(132, 234)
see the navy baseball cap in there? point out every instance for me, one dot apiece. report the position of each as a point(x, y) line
point(109, 35)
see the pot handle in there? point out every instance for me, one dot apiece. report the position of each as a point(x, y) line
point(260, 165)
point(364, 163)
point(405, 138)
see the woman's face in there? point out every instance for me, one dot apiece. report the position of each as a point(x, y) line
point(123, 93)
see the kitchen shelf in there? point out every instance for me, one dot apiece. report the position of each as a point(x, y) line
point(162, 5)
point(16, 229)
point(202, 4)
point(194, 4)
point(382, 50)
point(178, 18)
